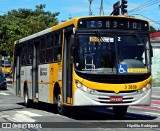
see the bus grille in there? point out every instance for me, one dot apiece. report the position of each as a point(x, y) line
point(104, 96)
point(101, 91)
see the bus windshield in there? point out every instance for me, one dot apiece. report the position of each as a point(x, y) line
point(103, 53)
point(5, 63)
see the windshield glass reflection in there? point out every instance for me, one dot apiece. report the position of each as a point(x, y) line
point(102, 54)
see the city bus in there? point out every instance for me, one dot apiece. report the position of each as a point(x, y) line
point(93, 61)
point(6, 67)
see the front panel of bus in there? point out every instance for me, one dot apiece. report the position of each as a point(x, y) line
point(112, 62)
point(6, 67)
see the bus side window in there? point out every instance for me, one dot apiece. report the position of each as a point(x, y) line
point(49, 48)
point(49, 55)
point(24, 54)
point(57, 46)
point(23, 60)
point(29, 55)
point(43, 50)
point(42, 56)
point(29, 58)
point(58, 53)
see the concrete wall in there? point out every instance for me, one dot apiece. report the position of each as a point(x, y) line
point(156, 63)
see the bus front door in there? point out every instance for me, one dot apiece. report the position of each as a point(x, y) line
point(35, 69)
point(67, 71)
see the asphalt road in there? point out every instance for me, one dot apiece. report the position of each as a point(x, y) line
point(13, 112)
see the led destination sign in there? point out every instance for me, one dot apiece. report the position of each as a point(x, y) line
point(113, 23)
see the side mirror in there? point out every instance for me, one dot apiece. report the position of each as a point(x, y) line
point(72, 45)
point(151, 50)
point(72, 41)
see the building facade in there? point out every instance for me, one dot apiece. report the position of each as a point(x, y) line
point(155, 42)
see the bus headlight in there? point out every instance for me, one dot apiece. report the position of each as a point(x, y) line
point(84, 88)
point(145, 89)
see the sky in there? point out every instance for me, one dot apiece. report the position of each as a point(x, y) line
point(76, 8)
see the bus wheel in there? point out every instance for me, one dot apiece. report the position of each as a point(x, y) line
point(120, 111)
point(26, 98)
point(60, 106)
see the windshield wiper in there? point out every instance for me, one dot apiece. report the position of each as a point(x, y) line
point(142, 40)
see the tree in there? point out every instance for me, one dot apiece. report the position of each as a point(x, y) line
point(152, 29)
point(20, 23)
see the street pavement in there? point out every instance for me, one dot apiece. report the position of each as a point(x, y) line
point(12, 109)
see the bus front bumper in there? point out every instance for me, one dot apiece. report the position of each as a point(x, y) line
point(82, 98)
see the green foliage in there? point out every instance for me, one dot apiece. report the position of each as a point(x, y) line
point(155, 84)
point(152, 29)
point(20, 23)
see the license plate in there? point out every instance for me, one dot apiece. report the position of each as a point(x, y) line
point(116, 98)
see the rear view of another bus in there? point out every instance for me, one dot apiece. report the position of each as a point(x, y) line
point(6, 67)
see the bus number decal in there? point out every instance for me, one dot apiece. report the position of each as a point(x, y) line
point(119, 38)
point(134, 25)
point(107, 24)
point(92, 23)
point(130, 87)
point(115, 24)
point(99, 23)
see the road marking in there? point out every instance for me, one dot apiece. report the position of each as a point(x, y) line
point(155, 102)
point(155, 105)
point(22, 118)
point(147, 107)
point(30, 114)
point(154, 96)
point(152, 113)
point(7, 117)
point(5, 94)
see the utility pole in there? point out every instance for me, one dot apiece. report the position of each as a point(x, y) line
point(90, 10)
point(101, 8)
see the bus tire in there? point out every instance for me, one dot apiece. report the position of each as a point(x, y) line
point(27, 102)
point(120, 111)
point(60, 106)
